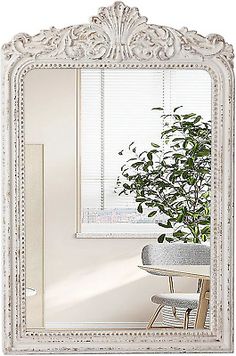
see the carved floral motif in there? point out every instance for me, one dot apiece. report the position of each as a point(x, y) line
point(118, 33)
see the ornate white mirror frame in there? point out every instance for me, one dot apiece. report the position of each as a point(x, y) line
point(118, 38)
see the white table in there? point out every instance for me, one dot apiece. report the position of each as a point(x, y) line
point(191, 271)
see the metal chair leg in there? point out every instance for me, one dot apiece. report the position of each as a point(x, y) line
point(186, 318)
point(154, 316)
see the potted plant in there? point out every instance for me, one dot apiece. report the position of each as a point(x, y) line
point(176, 181)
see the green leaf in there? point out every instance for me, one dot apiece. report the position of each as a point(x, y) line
point(169, 239)
point(131, 144)
point(155, 145)
point(188, 144)
point(185, 174)
point(179, 234)
point(188, 116)
point(206, 230)
point(153, 213)
point(198, 118)
point(177, 117)
point(203, 153)
point(161, 238)
point(180, 217)
point(126, 186)
point(148, 164)
point(190, 162)
point(178, 107)
point(178, 139)
point(142, 153)
point(191, 180)
point(140, 208)
point(136, 164)
point(204, 222)
point(140, 200)
point(178, 155)
point(166, 226)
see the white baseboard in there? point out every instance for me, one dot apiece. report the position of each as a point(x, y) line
point(97, 325)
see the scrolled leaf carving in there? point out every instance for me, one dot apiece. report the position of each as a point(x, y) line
point(118, 33)
point(155, 42)
point(210, 45)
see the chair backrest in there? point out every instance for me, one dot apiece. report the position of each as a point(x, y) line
point(176, 254)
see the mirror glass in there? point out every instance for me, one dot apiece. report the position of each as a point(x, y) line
point(116, 160)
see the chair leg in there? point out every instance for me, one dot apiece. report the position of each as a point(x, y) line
point(154, 316)
point(186, 318)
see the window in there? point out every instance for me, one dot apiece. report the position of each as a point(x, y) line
point(116, 111)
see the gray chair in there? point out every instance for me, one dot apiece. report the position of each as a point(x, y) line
point(175, 254)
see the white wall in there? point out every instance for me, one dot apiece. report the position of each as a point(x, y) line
point(98, 281)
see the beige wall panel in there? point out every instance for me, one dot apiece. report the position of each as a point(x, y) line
point(50, 120)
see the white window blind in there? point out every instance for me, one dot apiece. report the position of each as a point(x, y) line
point(115, 111)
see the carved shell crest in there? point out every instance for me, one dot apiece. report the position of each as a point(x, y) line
point(118, 33)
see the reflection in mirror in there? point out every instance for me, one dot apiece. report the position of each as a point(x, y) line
point(118, 175)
